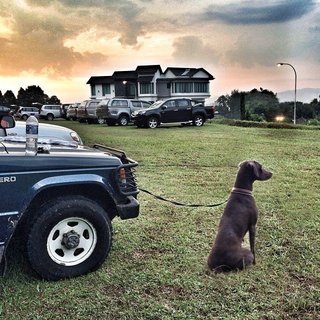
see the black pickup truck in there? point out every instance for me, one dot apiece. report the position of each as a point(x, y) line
point(171, 111)
point(62, 202)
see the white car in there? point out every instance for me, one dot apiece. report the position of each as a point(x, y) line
point(46, 131)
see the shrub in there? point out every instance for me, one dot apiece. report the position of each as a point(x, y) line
point(313, 122)
point(273, 125)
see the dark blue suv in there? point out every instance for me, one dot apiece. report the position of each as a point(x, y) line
point(62, 202)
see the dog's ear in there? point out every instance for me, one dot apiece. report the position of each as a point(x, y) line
point(256, 166)
point(242, 163)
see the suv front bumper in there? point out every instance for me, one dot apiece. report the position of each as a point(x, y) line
point(130, 209)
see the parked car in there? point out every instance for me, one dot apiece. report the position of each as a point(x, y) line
point(119, 110)
point(4, 110)
point(72, 112)
point(46, 131)
point(50, 111)
point(25, 112)
point(87, 111)
point(173, 110)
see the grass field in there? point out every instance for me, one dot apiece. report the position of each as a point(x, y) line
point(157, 266)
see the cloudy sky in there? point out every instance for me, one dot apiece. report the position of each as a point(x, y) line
point(60, 44)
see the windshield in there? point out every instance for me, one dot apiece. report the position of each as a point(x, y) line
point(156, 104)
point(41, 141)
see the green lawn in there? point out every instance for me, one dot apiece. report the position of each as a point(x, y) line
point(157, 266)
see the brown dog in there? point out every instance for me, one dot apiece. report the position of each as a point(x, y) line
point(240, 216)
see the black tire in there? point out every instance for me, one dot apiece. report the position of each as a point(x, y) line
point(90, 121)
point(111, 122)
point(198, 120)
point(24, 117)
point(123, 120)
point(101, 120)
point(152, 122)
point(69, 237)
point(50, 116)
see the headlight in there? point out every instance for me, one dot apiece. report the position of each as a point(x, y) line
point(75, 137)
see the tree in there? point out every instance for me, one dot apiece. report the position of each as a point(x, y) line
point(54, 100)
point(316, 106)
point(34, 94)
point(263, 102)
point(262, 105)
point(21, 97)
point(1, 99)
point(27, 97)
point(9, 98)
point(222, 104)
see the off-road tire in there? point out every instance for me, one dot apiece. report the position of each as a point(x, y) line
point(77, 221)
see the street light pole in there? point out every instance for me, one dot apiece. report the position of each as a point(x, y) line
point(295, 89)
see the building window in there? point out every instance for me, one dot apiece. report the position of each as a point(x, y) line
point(93, 90)
point(190, 87)
point(201, 87)
point(106, 89)
point(146, 88)
point(131, 89)
point(183, 87)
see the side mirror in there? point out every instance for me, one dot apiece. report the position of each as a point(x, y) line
point(164, 107)
point(7, 122)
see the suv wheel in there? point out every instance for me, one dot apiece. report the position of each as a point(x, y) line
point(198, 120)
point(152, 123)
point(69, 237)
point(123, 120)
point(101, 120)
point(24, 117)
point(50, 116)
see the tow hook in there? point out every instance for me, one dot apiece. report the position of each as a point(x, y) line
point(70, 239)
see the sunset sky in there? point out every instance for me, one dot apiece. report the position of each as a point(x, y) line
point(60, 44)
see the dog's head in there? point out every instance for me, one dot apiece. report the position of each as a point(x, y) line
point(256, 170)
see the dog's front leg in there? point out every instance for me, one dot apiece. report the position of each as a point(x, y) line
point(252, 236)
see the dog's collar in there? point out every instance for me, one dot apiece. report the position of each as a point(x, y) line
point(245, 192)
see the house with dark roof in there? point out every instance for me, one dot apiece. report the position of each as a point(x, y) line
point(151, 83)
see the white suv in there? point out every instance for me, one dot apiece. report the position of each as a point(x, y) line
point(25, 112)
point(50, 111)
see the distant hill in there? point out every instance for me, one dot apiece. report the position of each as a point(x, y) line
point(304, 95)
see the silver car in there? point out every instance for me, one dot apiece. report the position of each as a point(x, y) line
point(46, 131)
